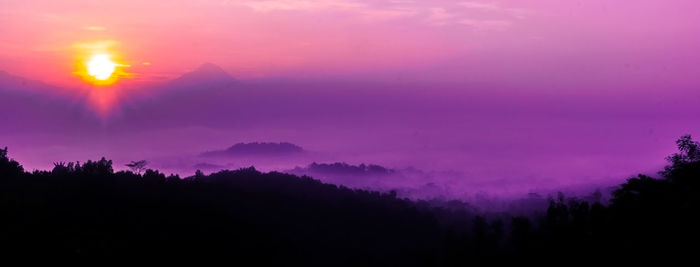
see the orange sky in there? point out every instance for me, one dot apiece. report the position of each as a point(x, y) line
point(174, 36)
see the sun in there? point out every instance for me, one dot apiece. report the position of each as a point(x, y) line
point(100, 63)
point(101, 67)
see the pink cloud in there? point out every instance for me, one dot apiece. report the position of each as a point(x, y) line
point(293, 5)
point(480, 5)
point(485, 25)
point(95, 28)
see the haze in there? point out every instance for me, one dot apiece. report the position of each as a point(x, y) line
point(485, 96)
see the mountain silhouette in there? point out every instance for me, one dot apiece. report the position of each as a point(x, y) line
point(10, 82)
point(20, 97)
point(256, 149)
point(205, 76)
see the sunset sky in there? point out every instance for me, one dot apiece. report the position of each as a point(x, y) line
point(540, 42)
point(521, 93)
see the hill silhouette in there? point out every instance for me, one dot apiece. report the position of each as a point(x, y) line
point(342, 169)
point(88, 211)
point(256, 149)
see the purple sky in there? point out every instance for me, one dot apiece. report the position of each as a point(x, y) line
point(593, 43)
point(511, 95)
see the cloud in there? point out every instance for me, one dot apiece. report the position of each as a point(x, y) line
point(495, 7)
point(289, 5)
point(439, 16)
point(480, 5)
point(388, 14)
point(97, 46)
point(486, 24)
point(94, 28)
point(361, 9)
point(477, 15)
point(490, 14)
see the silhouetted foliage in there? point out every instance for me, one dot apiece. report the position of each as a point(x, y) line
point(87, 211)
point(343, 169)
point(9, 167)
point(137, 166)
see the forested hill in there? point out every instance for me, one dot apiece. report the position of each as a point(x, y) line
point(87, 211)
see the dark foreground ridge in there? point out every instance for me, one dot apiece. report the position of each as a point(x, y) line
point(89, 212)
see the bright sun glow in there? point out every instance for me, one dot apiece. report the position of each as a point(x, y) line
point(101, 66)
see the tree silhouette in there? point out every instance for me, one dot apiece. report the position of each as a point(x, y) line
point(9, 167)
point(137, 166)
point(236, 216)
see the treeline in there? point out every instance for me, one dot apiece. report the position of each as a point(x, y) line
point(342, 169)
point(89, 212)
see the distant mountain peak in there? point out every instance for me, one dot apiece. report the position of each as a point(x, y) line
point(210, 69)
point(205, 74)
